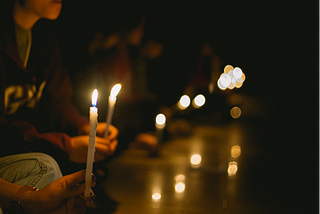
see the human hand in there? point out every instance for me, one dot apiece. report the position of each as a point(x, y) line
point(79, 148)
point(148, 142)
point(60, 196)
point(113, 131)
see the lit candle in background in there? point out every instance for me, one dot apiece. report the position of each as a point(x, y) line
point(112, 101)
point(195, 160)
point(92, 138)
point(199, 101)
point(160, 124)
point(184, 102)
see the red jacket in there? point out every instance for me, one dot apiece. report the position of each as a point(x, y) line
point(35, 102)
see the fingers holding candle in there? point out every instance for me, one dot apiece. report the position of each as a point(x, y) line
point(104, 148)
point(113, 131)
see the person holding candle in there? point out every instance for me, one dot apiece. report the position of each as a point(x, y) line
point(37, 114)
point(36, 90)
point(62, 196)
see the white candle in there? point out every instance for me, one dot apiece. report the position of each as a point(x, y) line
point(92, 139)
point(112, 101)
point(160, 124)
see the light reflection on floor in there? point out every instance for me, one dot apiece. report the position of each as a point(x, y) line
point(203, 172)
point(190, 176)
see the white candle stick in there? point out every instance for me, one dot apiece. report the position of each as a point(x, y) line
point(112, 101)
point(92, 139)
point(160, 124)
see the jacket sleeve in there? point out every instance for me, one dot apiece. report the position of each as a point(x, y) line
point(60, 117)
point(20, 136)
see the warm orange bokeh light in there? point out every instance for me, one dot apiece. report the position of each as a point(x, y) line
point(195, 160)
point(232, 168)
point(156, 196)
point(235, 151)
point(184, 102)
point(180, 187)
point(228, 68)
point(222, 87)
point(160, 119)
point(235, 112)
point(199, 101)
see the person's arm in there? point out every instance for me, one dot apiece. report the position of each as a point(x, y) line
point(57, 197)
point(7, 192)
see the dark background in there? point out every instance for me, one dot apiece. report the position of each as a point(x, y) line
point(274, 42)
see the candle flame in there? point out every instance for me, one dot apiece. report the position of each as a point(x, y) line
point(199, 101)
point(180, 187)
point(184, 102)
point(160, 119)
point(94, 97)
point(195, 160)
point(115, 90)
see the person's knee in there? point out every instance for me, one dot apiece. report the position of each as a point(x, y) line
point(50, 169)
point(33, 169)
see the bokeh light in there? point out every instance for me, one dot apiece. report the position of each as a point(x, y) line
point(195, 160)
point(231, 78)
point(184, 102)
point(235, 112)
point(222, 87)
point(180, 187)
point(237, 72)
point(160, 120)
point(225, 80)
point(243, 77)
point(232, 168)
point(235, 151)
point(156, 196)
point(228, 68)
point(199, 101)
point(239, 84)
point(180, 178)
point(231, 86)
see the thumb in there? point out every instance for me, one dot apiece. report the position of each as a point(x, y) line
point(72, 184)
